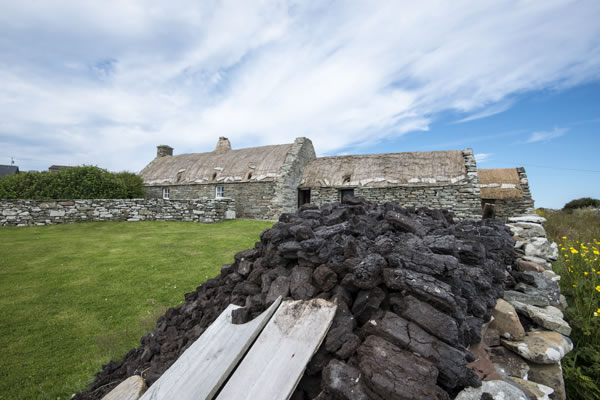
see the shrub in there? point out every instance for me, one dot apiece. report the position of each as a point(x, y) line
point(582, 203)
point(85, 182)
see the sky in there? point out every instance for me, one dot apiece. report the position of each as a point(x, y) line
point(104, 83)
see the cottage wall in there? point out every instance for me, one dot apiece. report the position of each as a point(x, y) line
point(40, 212)
point(463, 199)
point(300, 154)
point(256, 200)
point(524, 205)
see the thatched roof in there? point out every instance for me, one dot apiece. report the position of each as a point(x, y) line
point(244, 165)
point(500, 183)
point(391, 169)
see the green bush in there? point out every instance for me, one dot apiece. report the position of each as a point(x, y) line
point(85, 182)
point(581, 203)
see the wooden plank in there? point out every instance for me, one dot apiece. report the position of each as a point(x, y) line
point(203, 367)
point(130, 389)
point(275, 363)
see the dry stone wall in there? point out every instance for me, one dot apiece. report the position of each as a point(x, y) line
point(463, 199)
point(507, 208)
point(255, 200)
point(38, 212)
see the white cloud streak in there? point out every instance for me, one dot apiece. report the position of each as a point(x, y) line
point(104, 83)
point(482, 157)
point(544, 136)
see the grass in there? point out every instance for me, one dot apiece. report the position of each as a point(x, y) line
point(73, 297)
point(578, 236)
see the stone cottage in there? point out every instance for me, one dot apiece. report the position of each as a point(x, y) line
point(263, 180)
point(268, 180)
point(507, 189)
point(437, 179)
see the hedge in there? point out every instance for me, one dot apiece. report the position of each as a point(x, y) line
point(85, 182)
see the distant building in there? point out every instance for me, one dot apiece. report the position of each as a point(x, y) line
point(8, 170)
point(507, 189)
point(268, 180)
point(56, 168)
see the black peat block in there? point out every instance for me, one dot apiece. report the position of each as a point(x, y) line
point(413, 288)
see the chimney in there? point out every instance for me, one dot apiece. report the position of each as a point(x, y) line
point(163, 150)
point(223, 145)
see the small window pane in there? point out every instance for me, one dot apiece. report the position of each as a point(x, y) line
point(166, 193)
point(220, 192)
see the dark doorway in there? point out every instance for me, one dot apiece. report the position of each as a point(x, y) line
point(346, 192)
point(303, 196)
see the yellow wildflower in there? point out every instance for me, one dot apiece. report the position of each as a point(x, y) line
point(574, 285)
point(598, 288)
point(564, 237)
point(585, 273)
point(574, 251)
point(596, 252)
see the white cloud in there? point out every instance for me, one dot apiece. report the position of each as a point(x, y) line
point(104, 83)
point(544, 136)
point(482, 157)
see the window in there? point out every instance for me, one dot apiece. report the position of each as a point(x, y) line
point(220, 193)
point(166, 193)
point(346, 192)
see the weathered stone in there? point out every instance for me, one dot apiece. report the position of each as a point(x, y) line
point(404, 223)
point(508, 362)
point(366, 303)
point(523, 266)
point(496, 389)
point(482, 365)
point(396, 374)
point(527, 229)
point(324, 277)
point(548, 317)
point(540, 261)
point(541, 347)
point(279, 287)
point(369, 273)
point(343, 380)
point(550, 375)
point(542, 248)
point(300, 283)
point(533, 297)
point(536, 219)
point(540, 391)
point(429, 318)
point(506, 321)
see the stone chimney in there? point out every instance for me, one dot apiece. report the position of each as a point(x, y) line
point(163, 150)
point(223, 145)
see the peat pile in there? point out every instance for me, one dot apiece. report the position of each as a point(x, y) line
point(413, 290)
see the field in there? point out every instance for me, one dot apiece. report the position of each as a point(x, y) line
point(578, 236)
point(73, 297)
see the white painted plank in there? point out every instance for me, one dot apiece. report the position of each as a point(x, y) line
point(275, 363)
point(203, 367)
point(130, 389)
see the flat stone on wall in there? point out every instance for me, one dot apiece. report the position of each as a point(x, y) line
point(41, 212)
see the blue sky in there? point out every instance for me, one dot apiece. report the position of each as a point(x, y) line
point(103, 83)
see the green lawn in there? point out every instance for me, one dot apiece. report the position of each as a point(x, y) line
point(73, 297)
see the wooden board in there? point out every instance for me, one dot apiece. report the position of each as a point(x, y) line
point(130, 389)
point(275, 363)
point(203, 367)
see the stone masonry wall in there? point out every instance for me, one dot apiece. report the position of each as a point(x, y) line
point(462, 199)
point(515, 207)
point(254, 200)
point(46, 212)
point(301, 153)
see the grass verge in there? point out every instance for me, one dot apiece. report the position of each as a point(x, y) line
point(578, 236)
point(73, 297)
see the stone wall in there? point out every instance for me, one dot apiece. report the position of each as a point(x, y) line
point(46, 212)
point(254, 200)
point(506, 208)
point(462, 199)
